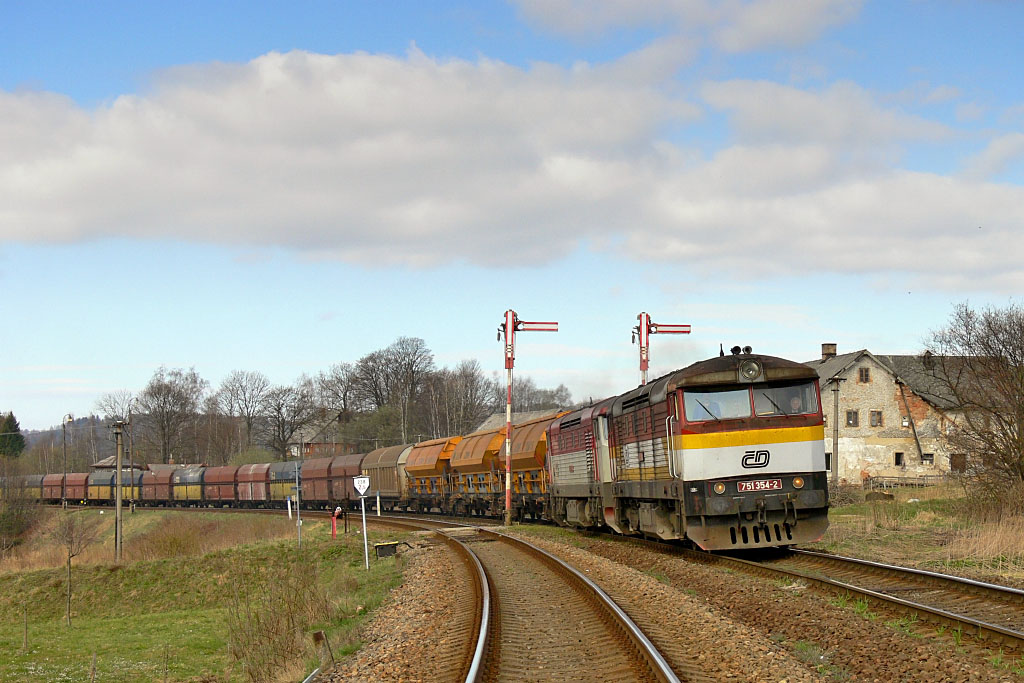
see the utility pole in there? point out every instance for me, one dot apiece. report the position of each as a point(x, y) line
point(509, 327)
point(643, 330)
point(835, 431)
point(131, 457)
point(118, 429)
point(64, 482)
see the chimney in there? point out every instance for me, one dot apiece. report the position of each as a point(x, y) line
point(828, 351)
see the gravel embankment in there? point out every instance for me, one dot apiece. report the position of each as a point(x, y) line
point(713, 624)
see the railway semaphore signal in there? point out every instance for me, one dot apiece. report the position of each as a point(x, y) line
point(509, 328)
point(643, 330)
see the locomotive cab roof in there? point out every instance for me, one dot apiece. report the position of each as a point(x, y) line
point(736, 369)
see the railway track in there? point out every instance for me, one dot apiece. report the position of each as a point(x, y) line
point(549, 622)
point(986, 611)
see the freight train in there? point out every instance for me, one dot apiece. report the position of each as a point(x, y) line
point(727, 453)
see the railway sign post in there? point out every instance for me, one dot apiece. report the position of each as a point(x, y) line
point(509, 328)
point(643, 330)
point(361, 484)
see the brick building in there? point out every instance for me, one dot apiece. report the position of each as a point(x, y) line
point(892, 414)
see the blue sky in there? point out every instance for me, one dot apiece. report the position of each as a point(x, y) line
point(281, 187)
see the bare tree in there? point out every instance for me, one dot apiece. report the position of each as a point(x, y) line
point(245, 394)
point(338, 391)
point(75, 531)
point(978, 360)
point(171, 403)
point(288, 409)
point(116, 404)
point(460, 399)
point(410, 362)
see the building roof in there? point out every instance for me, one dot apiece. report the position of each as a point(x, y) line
point(918, 373)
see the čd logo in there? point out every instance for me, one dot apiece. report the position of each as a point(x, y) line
point(755, 459)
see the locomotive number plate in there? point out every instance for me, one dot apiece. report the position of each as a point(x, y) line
point(759, 485)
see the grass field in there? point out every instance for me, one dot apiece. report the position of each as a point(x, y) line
point(930, 528)
point(207, 597)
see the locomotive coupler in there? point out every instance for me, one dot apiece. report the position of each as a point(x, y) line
point(762, 512)
point(789, 509)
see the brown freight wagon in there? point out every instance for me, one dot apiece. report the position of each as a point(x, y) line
point(53, 487)
point(254, 484)
point(316, 485)
point(220, 484)
point(156, 485)
point(344, 468)
point(386, 469)
point(75, 486)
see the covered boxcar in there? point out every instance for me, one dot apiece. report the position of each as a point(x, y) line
point(429, 473)
point(344, 469)
point(53, 488)
point(282, 476)
point(254, 484)
point(156, 485)
point(187, 485)
point(386, 469)
point(316, 484)
point(76, 486)
point(101, 487)
point(220, 485)
point(32, 486)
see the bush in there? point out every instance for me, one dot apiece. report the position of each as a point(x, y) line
point(269, 613)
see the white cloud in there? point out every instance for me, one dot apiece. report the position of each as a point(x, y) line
point(357, 156)
point(737, 26)
point(844, 113)
point(782, 23)
point(1000, 153)
point(384, 160)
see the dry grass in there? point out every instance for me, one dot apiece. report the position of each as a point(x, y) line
point(994, 546)
point(149, 535)
point(935, 528)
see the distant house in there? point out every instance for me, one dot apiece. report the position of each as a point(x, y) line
point(892, 414)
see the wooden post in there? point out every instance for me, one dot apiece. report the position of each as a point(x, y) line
point(92, 669)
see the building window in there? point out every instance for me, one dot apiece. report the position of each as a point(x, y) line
point(852, 418)
point(828, 462)
point(876, 418)
point(927, 458)
point(864, 375)
point(958, 462)
point(897, 459)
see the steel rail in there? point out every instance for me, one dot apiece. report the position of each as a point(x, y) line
point(483, 587)
point(982, 630)
point(649, 653)
point(983, 586)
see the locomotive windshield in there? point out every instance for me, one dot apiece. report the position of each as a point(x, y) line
point(767, 401)
point(794, 399)
point(717, 404)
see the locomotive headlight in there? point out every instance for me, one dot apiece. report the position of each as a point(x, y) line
point(719, 488)
point(750, 370)
point(798, 482)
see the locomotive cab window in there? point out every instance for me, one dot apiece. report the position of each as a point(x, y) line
point(792, 399)
point(722, 404)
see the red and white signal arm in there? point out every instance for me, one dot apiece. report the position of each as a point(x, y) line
point(361, 484)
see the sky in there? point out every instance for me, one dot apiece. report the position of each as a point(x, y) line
point(281, 187)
